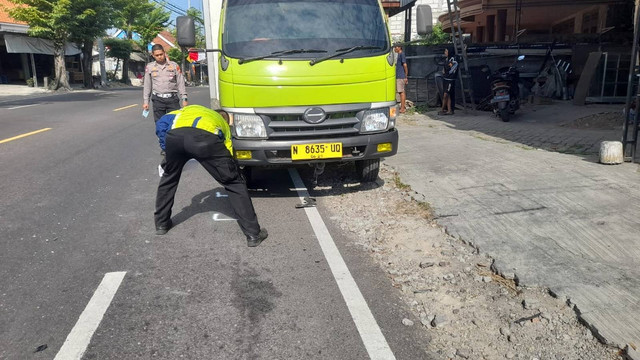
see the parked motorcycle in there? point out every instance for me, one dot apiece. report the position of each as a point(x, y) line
point(505, 91)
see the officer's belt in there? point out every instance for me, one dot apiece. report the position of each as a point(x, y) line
point(164, 96)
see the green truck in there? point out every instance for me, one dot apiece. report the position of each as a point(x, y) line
point(308, 82)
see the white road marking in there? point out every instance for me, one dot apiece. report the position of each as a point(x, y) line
point(21, 106)
point(78, 339)
point(370, 333)
point(220, 217)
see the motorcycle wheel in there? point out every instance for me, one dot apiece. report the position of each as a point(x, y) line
point(504, 114)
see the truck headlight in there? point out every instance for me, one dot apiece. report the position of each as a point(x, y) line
point(374, 120)
point(249, 126)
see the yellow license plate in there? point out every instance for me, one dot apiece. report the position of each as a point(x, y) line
point(316, 151)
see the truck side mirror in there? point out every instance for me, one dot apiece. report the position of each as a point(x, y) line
point(424, 20)
point(186, 29)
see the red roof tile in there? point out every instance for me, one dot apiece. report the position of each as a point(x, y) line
point(4, 16)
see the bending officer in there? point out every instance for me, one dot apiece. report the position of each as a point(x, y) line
point(197, 132)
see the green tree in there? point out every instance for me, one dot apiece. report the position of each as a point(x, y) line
point(120, 49)
point(92, 19)
point(129, 18)
point(437, 37)
point(176, 55)
point(48, 19)
point(150, 25)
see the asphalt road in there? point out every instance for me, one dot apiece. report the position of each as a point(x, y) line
point(79, 260)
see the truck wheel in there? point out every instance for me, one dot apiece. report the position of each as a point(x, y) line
point(367, 170)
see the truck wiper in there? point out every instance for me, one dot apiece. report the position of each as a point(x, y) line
point(283, 52)
point(342, 52)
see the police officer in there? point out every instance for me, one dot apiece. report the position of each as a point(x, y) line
point(163, 84)
point(197, 132)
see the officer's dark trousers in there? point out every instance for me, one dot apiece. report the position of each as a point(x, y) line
point(183, 144)
point(162, 106)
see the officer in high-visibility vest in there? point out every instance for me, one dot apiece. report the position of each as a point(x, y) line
point(163, 84)
point(196, 132)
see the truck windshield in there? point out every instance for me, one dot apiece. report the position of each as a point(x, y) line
point(253, 28)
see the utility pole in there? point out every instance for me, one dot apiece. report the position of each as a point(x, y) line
point(103, 72)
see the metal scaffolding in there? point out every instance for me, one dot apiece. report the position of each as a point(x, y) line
point(458, 43)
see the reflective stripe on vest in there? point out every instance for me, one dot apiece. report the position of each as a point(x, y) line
point(199, 123)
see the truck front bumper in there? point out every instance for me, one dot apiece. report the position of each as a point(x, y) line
point(278, 152)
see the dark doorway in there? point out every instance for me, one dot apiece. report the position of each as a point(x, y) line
point(479, 34)
point(491, 28)
point(501, 28)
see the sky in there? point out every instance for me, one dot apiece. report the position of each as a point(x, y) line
point(171, 4)
point(182, 5)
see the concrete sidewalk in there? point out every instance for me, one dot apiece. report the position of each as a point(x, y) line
point(556, 220)
point(11, 92)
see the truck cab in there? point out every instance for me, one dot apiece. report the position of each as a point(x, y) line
point(308, 82)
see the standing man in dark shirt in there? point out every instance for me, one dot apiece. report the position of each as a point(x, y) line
point(163, 84)
point(402, 71)
point(450, 72)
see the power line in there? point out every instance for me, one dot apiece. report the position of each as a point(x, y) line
point(171, 7)
point(176, 9)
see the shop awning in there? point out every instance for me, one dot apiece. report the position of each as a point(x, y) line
point(139, 57)
point(32, 45)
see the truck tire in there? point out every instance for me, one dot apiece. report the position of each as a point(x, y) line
point(367, 170)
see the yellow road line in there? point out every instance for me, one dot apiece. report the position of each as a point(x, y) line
point(126, 107)
point(24, 135)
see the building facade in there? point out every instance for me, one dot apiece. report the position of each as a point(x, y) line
point(29, 60)
point(496, 21)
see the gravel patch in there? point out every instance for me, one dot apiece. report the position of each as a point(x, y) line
point(467, 310)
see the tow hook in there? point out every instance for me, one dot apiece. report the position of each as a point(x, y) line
point(319, 169)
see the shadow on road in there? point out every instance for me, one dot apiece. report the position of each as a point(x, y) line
point(204, 202)
point(337, 178)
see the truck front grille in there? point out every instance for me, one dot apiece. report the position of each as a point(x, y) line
point(292, 126)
